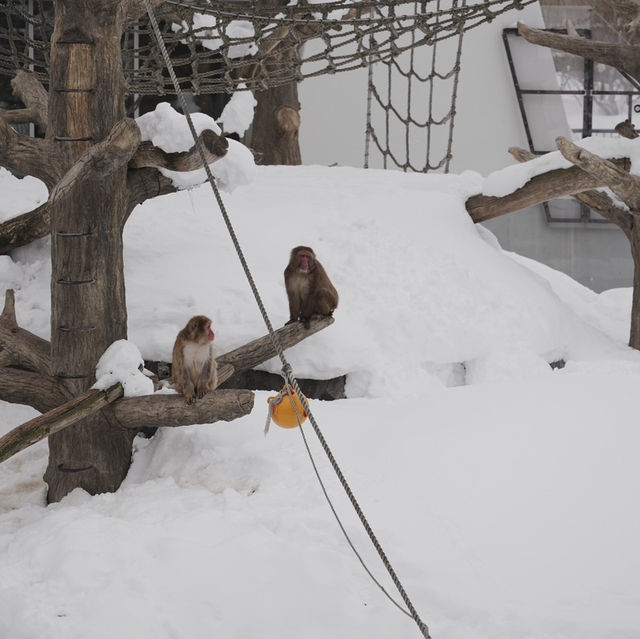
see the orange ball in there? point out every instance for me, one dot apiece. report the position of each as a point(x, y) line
point(282, 409)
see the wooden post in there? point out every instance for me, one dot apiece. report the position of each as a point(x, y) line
point(88, 310)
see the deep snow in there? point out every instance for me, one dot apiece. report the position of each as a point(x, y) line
point(504, 492)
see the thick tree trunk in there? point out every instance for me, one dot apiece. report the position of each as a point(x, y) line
point(274, 136)
point(88, 310)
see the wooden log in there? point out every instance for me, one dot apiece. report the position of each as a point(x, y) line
point(147, 155)
point(262, 349)
point(624, 57)
point(541, 188)
point(55, 420)
point(153, 411)
point(596, 200)
point(25, 228)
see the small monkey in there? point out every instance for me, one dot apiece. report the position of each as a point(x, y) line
point(194, 369)
point(309, 288)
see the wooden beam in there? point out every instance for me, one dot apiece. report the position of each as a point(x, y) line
point(153, 411)
point(262, 349)
point(541, 188)
point(624, 57)
point(24, 229)
point(55, 420)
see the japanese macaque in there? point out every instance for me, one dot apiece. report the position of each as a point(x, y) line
point(309, 288)
point(194, 369)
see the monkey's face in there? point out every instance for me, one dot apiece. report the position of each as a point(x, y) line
point(305, 261)
point(199, 330)
point(210, 332)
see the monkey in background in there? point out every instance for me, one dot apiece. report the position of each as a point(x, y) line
point(194, 368)
point(309, 288)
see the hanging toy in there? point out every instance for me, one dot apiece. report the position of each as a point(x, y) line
point(282, 411)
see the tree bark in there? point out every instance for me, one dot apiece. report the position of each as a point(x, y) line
point(88, 310)
point(28, 88)
point(24, 229)
point(26, 156)
point(276, 122)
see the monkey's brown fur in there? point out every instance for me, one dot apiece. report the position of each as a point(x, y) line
point(194, 369)
point(309, 288)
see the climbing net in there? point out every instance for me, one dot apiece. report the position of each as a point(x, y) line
point(411, 102)
point(223, 46)
point(217, 45)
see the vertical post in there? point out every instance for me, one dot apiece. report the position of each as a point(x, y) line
point(88, 311)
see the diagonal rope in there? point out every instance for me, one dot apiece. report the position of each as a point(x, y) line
point(274, 339)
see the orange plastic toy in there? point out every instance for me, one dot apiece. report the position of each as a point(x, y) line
point(282, 409)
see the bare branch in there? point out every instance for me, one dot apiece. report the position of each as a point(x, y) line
point(55, 420)
point(547, 186)
point(101, 159)
point(623, 57)
point(144, 184)
point(262, 349)
point(147, 155)
point(596, 200)
point(43, 392)
point(27, 156)
point(34, 96)
point(25, 228)
point(24, 348)
point(624, 185)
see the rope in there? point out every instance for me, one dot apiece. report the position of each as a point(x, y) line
point(392, 120)
point(274, 339)
point(217, 54)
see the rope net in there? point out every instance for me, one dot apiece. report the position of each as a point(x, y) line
point(217, 46)
point(411, 105)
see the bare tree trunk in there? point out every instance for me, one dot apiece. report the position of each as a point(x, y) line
point(88, 310)
point(276, 122)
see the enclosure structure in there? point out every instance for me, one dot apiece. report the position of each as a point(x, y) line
point(75, 65)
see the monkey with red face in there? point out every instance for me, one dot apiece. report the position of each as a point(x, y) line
point(194, 368)
point(309, 288)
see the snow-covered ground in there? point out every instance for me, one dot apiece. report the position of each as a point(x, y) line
point(504, 492)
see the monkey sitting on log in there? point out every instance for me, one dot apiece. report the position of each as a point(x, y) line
point(309, 288)
point(194, 368)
